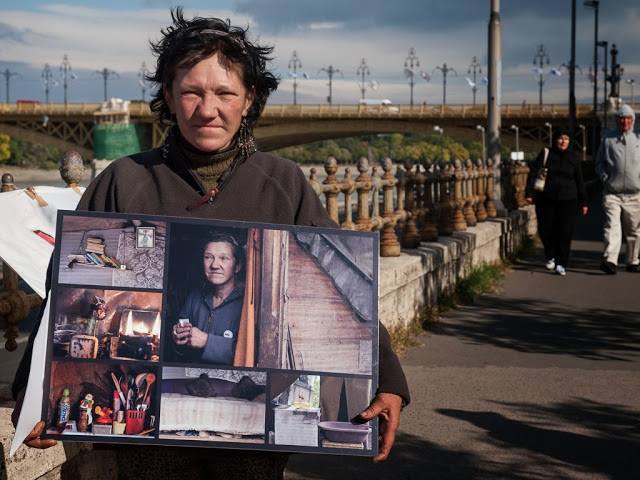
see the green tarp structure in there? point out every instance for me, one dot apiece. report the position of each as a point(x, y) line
point(115, 140)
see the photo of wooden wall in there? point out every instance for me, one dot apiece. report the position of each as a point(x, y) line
point(309, 320)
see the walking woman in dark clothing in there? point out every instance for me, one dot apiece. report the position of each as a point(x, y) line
point(558, 198)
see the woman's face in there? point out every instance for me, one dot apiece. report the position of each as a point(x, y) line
point(209, 101)
point(563, 142)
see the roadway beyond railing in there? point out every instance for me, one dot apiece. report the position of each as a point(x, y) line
point(275, 111)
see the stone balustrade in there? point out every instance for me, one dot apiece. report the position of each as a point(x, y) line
point(420, 202)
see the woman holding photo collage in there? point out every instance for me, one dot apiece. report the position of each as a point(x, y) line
point(212, 85)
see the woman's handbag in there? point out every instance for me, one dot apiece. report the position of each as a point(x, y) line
point(541, 177)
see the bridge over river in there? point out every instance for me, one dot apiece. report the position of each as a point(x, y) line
point(71, 126)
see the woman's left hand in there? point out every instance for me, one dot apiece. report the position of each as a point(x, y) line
point(585, 210)
point(198, 338)
point(387, 406)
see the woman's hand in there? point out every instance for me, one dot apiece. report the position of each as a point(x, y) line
point(33, 440)
point(180, 334)
point(387, 407)
point(198, 338)
point(585, 210)
point(529, 200)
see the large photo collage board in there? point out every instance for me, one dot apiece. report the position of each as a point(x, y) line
point(190, 332)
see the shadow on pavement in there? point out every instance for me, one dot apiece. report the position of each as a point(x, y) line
point(537, 326)
point(610, 447)
point(411, 458)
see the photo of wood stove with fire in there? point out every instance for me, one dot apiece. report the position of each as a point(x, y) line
point(106, 399)
point(107, 324)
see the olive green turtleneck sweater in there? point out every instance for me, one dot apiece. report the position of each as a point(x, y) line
point(208, 166)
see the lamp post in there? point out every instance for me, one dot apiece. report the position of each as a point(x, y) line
point(517, 130)
point(106, 74)
point(584, 142)
point(484, 149)
point(330, 71)
point(595, 4)
point(47, 81)
point(445, 71)
point(363, 71)
point(142, 79)
point(67, 74)
point(294, 65)
point(616, 73)
point(474, 69)
point(605, 45)
point(7, 74)
point(572, 73)
point(440, 130)
point(550, 127)
point(541, 57)
point(410, 63)
point(631, 82)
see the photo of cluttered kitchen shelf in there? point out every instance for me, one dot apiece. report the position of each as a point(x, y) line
point(112, 252)
point(95, 323)
point(97, 399)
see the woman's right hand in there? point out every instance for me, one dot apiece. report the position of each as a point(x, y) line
point(529, 200)
point(181, 335)
point(33, 440)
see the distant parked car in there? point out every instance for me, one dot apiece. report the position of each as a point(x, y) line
point(383, 104)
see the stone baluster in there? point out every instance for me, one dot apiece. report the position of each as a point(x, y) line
point(7, 183)
point(470, 197)
point(401, 213)
point(331, 188)
point(363, 186)
point(410, 237)
point(459, 223)
point(523, 171)
point(445, 222)
point(481, 212)
point(347, 188)
point(490, 206)
point(376, 182)
point(429, 230)
point(389, 244)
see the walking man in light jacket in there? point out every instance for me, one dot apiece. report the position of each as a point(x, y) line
point(618, 166)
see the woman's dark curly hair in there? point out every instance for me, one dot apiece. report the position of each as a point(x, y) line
point(187, 42)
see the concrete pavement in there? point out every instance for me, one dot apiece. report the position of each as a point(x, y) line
point(541, 380)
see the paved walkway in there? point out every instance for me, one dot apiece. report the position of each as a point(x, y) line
point(541, 380)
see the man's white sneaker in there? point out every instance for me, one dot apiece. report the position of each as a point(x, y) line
point(560, 270)
point(550, 265)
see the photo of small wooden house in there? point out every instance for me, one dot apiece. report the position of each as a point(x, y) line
point(112, 252)
point(318, 302)
point(97, 323)
point(213, 405)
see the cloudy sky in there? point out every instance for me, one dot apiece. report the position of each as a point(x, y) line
point(115, 34)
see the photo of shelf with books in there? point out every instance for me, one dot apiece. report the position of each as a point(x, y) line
point(112, 252)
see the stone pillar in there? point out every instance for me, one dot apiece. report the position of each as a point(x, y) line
point(331, 193)
point(410, 237)
point(389, 244)
point(459, 223)
point(364, 186)
point(481, 213)
point(429, 230)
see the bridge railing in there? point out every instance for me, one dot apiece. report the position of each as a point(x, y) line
point(420, 202)
point(142, 110)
